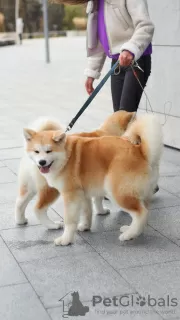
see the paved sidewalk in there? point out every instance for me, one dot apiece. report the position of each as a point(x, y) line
point(34, 274)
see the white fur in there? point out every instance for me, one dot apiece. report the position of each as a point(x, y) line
point(42, 123)
point(99, 207)
point(30, 177)
point(149, 130)
point(137, 226)
point(86, 218)
point(151, 133)
point(71, 219)
point(45, 221)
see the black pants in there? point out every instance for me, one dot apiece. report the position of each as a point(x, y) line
point(126, 91)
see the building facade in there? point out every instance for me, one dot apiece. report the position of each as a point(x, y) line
point(163, 86)
point(7, 8)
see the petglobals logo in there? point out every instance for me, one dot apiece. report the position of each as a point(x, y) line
point(74, 306)
point(126, 301)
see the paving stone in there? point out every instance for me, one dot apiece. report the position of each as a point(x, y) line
point(158, 281)
point(169, 169)
point(21, 303)
point(171, 155)
point(8, 193)
point(14, 153)
point(6, 176)
point(87, 273)
point(171, 184)
point(1, 164)
point(148, 248)
point(10, 272)
point(167, 222)
point(13, 165)
point(11, 143)
point(108, 313)
point(109, 222)
point(36, 243)
point(164, 199)
point(7, 216)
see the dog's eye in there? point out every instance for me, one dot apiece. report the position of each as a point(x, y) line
point(49, 151)
point(36, 151)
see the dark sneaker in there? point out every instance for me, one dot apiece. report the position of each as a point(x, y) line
point(156, 189)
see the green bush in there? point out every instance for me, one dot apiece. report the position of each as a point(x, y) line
point(70, 13)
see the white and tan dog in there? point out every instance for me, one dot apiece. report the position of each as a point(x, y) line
point(32, 182)
point(126, 169)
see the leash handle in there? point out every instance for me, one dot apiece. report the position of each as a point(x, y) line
point(92, 96)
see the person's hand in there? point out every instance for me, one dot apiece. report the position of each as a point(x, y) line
point(89, 85)
point(125, 58)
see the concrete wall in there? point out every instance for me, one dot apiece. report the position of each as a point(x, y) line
point(164, 85)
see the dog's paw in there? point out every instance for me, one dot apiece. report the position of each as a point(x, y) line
point(124, 228)
point(62, 241)
point(56, 225)
point(127, 235)
point(59, 224)
point(103, 212)
point(83, 227)
point(22, 221)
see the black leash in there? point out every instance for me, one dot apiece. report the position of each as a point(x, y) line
point(99, 87)
point(92, 96)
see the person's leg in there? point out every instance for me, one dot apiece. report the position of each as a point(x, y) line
point(117, 82)
point(132, 91)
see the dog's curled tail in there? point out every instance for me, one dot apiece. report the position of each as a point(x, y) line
point(147, 131)
point(45, 124)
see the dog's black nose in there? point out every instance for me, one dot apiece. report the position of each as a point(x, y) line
point(42, 163)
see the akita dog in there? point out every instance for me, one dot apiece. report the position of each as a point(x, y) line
point(125, 168)
point(32, 182)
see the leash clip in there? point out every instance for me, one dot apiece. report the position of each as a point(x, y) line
point(137, 66)
point(68, 129)
point(117, 71)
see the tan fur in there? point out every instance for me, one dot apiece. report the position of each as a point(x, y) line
point(116, 124)
point(103, 164)
point(118, 166)
point(85, 169)
point(46, 195)
point(42, 137)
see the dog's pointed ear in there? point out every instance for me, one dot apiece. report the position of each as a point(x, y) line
point(28, 134)
point(59, 136)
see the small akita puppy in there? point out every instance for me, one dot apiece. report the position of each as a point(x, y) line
point(126, 169)
point(32, 182)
